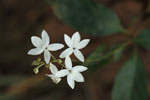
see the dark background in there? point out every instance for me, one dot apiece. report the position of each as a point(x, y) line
point(20, 19)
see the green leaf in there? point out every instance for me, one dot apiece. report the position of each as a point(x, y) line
point(87, 17)
point(118, 54)
point(143, 39)
point(131, 81)
point(97, 58)
point(117, 50)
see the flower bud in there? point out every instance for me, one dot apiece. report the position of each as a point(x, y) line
point(36, 70)
point(59, 61)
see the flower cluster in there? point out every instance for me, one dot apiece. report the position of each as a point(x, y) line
point(74, 45)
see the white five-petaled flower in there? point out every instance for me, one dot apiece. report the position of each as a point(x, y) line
point(42, 45)
point(54, 70)
point(74, 45)
point(73, 73)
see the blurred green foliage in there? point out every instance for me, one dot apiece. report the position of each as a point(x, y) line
point(87, 17)
point(101, 56)
point(143, 39)
point(117, 51)
point(131, 81)
point(97, 58)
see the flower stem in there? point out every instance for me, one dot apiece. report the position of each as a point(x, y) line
point(57, 61)
point(41, 65)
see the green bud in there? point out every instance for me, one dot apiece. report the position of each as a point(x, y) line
point(36, 70)
point(35, 63)
point(39, 60)
point(59, 61)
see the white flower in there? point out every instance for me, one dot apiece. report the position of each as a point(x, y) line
point(54, 70)
point(42, 45)
point(73, 73)
point(74, 45)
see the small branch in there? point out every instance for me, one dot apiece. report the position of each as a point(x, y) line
point(58, 61)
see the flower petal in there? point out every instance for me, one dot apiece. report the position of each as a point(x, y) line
point(55, 46)
point(47, 56)
point(76, 39)
point(70, 81)
point(49, 75)
point(54, 78)
point(68, 40)
point(36, 41)
point(78, 77)
point(62, 73)
point(66, 53)
point(79, 68)
point(45, 38)
point(35, 51)
point(53, 68)
point(68, 63)
point(83, 43)
point(79, 55)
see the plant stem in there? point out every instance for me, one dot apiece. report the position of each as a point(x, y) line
point(56, 60)
point(41, 65)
